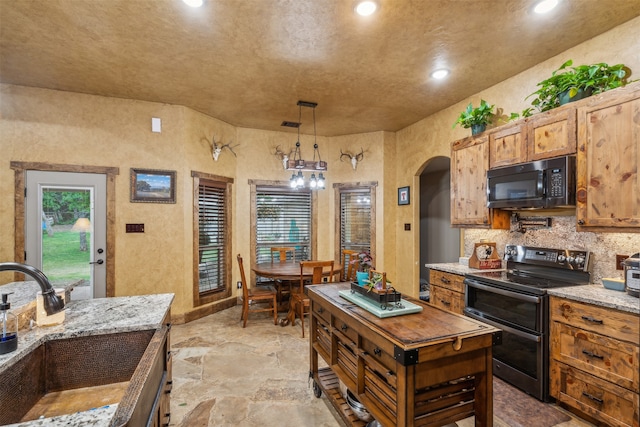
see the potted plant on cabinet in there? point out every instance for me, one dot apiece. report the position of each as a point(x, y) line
point(364, 264)
point(568, 83)
point(476, 118)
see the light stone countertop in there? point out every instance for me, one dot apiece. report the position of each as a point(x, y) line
point(595, 294)
point(92, 317)
point(600, 296)
point(456, 268)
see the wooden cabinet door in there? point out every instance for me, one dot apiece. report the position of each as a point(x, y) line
point(608, 162)
point(508, 146)
point(552, 133)
point(469, 164)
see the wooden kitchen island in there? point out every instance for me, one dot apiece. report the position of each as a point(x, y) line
point(424, 369)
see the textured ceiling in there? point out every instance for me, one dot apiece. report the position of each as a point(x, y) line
point(247, 62)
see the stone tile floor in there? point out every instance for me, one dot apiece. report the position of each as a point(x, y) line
point(225, 375)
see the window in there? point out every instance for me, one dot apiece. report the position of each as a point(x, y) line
point(355, 222)
point(283, 218)
point(212, 274)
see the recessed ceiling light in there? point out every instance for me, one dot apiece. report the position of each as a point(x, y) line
point(194, 3)
point(366, 8)
point(545, 6)
point(440, 74)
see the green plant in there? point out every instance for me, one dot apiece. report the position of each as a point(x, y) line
point(375, 282)
point(592, 79)
point(481, 115)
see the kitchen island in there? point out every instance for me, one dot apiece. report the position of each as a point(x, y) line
point(88, 321)
point(426, 368)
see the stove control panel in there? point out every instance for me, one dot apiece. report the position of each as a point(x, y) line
point(558, 258)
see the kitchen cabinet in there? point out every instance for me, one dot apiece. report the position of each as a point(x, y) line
point(541, 136)
point(446, 291)
point(594, 360)
point(608, 162)
point(427, 368)
point(469, 164)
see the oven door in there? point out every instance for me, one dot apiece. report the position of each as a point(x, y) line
point(522, 358)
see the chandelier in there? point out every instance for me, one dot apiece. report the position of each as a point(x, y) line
point(297, 164)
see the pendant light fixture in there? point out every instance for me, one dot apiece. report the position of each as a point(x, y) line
point(299, 165)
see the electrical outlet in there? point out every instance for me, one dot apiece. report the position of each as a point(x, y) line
point(239, 285)
point(619, 259)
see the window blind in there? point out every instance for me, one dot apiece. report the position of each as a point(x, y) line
point(212, 237)
point(355, 220)
point(283, 219)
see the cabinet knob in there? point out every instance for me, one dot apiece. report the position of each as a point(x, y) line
point(320, 310)
point(377, 351)
point(344, 327)
point(581, 222)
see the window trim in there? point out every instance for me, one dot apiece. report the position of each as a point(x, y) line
point(340, 188)
point(285, 186)
point(201, 299)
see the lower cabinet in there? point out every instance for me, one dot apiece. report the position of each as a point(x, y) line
point(427, 368)
point(594, 361)
point(446, 291)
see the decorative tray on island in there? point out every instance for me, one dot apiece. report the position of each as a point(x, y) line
point(379, 296)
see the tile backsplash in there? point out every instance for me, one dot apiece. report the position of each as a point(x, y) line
point(563, 235)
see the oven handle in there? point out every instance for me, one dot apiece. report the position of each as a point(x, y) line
point(475, 315)
point(516, 295)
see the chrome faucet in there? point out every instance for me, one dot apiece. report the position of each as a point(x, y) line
point(52, 302)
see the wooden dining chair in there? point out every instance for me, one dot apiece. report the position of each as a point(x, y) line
point(283, 287)
point(300, 302)
point(349, 265)
point(256, 295)
point(282, 253)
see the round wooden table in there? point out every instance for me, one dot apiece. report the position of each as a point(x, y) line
point(289, 271)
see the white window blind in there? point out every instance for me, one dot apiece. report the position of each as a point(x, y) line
point(283, 219)
point(355, 220)
point(212, 237)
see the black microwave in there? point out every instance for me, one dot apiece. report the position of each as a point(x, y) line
point(542, 184)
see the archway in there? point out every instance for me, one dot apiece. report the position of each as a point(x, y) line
point(439, 242)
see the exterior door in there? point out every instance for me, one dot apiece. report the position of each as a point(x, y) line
point(65, 229)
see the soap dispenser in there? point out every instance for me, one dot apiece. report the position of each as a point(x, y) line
point(9, 325)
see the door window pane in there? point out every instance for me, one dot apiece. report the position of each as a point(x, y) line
point(66, 235)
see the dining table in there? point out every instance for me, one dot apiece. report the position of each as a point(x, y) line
point(290, 271)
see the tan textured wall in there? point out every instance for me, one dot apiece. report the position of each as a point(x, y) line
point(58, 127)
point(431, 137)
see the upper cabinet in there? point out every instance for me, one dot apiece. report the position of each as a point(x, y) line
point(469, 164)
point(608, 162)
point(542, 136)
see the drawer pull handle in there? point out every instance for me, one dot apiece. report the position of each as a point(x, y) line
point(445, 302)
point(445, 280)
point(590, 354)
point(592, 397)
point(344, 327)
point(592, 320)
point(377, 351)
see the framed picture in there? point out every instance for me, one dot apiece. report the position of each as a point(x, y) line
point(403, 195)
point(153, 186)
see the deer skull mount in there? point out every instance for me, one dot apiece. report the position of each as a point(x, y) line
point(284, 157)
point(355, 158)
point(217, 148)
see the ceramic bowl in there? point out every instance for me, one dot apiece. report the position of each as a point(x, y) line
point(613, 284)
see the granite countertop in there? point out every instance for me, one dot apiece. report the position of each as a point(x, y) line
point(600, 296)
point(595, 294)
point(456, 268)
point(92, 317)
